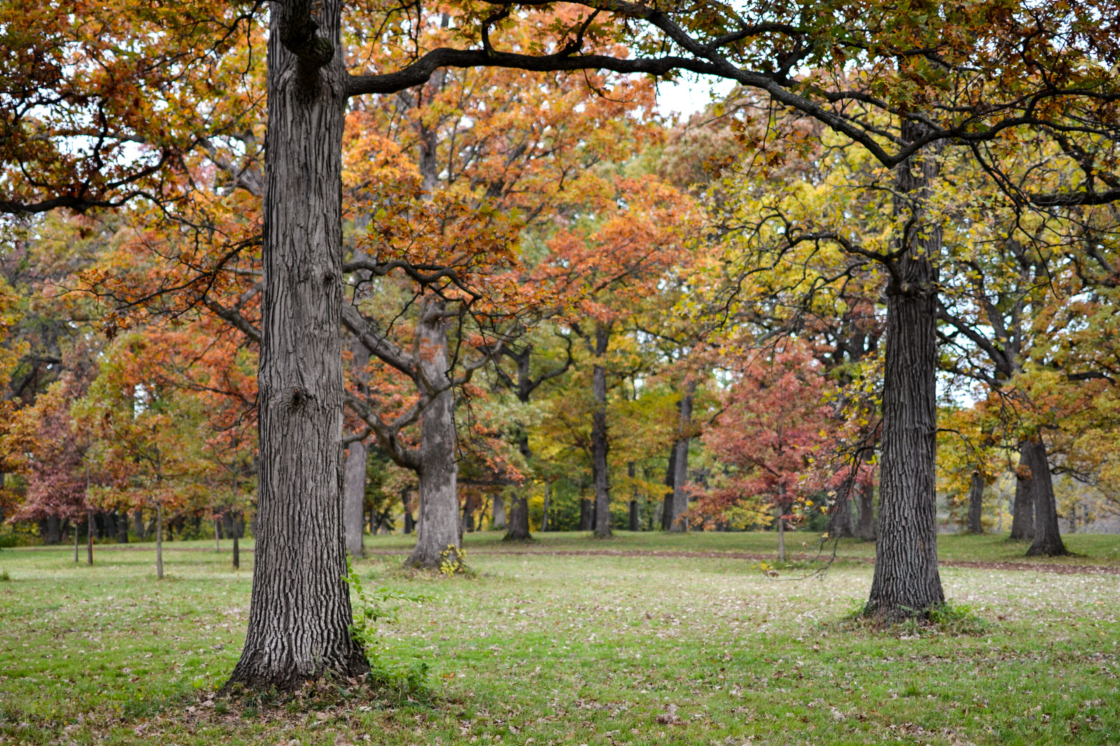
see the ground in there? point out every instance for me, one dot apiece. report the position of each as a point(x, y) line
point(645, 639)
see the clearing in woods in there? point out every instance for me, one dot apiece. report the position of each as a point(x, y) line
point(662, 640)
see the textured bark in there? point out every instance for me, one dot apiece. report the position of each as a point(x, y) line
point(1022, 511)
point(906, 581)
point(440, 527)
point(498, 513)
point(600, 444)
point(122, 528)
point(680, 463)
point(840, 522)
point(354, 492)
point(976, 504)
point(1047, 537)
point(300, 612)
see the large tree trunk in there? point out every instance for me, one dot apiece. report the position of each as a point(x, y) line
point(122, 528)
point(1022, 511)
point(680, 464)
point(354, 491)
point(138, 524)
point(300, 612)
point(1047, 538)
point(906, 581)
point(440, 527)
point(976, 504)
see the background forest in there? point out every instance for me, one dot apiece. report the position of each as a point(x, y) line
point(678, 319)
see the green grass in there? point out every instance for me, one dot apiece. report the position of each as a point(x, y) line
point(569, 649)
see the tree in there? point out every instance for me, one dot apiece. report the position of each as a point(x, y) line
point(774, 433)
point(298, 630)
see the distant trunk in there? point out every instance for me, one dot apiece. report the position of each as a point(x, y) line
point(667, 501)
point(1022, 518)
point(138, 524)
point(976, 504)
point(357, 459)
point(440, 527)
point(781, 537)
point(867, 529)
point(586, 514)
point(906, 581)
point(519, 520)
point(238, 529)
point(354, 491)
point(599, 441)
point(299, 614)
point(680, 464)
point(159, 540)
point(840, 522)
point(547, 498)
point(52, 535)
point(1047, 538)
point(519, 507)
point(409, 521)
point(122, 528)
point(75, 528)
point(89, 538)
point(498, 513)
point(634, 524)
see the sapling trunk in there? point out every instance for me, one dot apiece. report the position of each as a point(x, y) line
point(159, 540)
point(781, 537)
point(89, 538)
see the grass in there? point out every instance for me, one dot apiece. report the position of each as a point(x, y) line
point(549, 648)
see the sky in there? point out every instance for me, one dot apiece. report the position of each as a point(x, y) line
point(690, 94)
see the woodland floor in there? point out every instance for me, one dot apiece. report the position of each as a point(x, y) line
point(646, 639)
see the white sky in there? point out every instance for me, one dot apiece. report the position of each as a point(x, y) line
point(690, 94)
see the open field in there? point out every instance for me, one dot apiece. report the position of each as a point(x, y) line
point(580, 649)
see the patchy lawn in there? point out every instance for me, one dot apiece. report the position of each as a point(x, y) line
point(557, 648)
